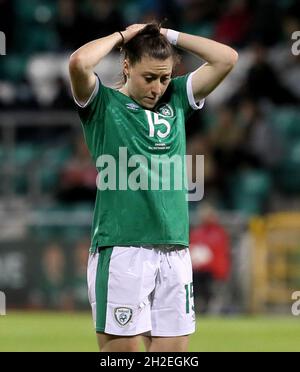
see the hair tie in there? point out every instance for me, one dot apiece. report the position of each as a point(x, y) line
point(123, 39)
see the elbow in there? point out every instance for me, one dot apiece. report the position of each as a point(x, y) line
point(76, 62)
point(232, 58)
point(227, 60)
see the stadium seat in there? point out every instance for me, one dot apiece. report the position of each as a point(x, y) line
point(249, 190)
point(35, 32)
point(287, 175)
point(25, 153)
point(24, 156)
point(1, 154)
point(13, 67)
point(287, 122)
point(53, 160)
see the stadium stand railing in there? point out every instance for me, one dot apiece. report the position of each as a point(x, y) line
point(275, 261)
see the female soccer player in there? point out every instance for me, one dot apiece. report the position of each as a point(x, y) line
point(139, 270)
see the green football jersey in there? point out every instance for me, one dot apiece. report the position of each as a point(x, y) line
point(140, 157)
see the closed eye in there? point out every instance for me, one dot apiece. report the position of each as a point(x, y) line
point(149, 79)
point(165, 80)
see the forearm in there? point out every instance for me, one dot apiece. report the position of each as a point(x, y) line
point(209, 50)
point(220, 59)
point(84, 60)
point(90, 54)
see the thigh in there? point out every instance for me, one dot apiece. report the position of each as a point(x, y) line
point(119, 290)
point(172, 312)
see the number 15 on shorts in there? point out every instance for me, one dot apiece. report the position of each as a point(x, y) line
point(189, 297)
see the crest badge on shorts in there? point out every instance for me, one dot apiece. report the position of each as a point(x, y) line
point(122, 315)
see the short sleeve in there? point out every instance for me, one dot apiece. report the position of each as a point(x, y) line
point(183, 89)
point(94, 107)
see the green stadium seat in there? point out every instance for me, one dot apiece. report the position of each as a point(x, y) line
point(2, 154)
point(48, 177)
point(249, 190)
point(33, 10)
point(54, 158)
point(25, 153)
point(57, 155)
point(25, 10)
point(35, 30)
point(287, 175)
point(287, 122)
point(13, 67)
point(65, 231)
point(24, 156)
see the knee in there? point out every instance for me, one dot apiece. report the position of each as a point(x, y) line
point(120, 346)
point(109, 343)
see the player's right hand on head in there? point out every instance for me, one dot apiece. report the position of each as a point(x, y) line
point(132, 30)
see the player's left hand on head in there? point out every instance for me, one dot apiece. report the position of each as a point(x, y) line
point(163, 31)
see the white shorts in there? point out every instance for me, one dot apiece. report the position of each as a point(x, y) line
point(136, 290)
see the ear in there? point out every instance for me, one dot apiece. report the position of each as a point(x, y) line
point(126, 67)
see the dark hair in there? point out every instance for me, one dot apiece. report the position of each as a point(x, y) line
point(151, 43)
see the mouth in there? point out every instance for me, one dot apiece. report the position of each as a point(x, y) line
point(150, 100)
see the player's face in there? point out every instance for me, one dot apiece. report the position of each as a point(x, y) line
point(148, 79)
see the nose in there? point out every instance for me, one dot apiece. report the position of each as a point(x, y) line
point(156, 88)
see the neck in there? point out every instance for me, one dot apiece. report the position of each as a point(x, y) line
point(124, 90)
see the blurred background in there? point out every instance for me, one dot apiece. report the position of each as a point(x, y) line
point(245, 233)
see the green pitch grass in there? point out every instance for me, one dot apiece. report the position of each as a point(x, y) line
point(27, 331)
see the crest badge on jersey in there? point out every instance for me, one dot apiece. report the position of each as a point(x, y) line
point(123, 315)
point(165, 109)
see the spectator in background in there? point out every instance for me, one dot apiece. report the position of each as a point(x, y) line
point(148, 10)
point(198, 144)
point(62, 99)
point(53, 291)
point(225, 140)
point(104, 18)
point(233, 27)
point(25, 97)
point(79, 280)
point(261, 147)
point(67, 24)
point(198, 16)
point(210, 254)
point(262, 81)
point(266, 25)
point(78, 177)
